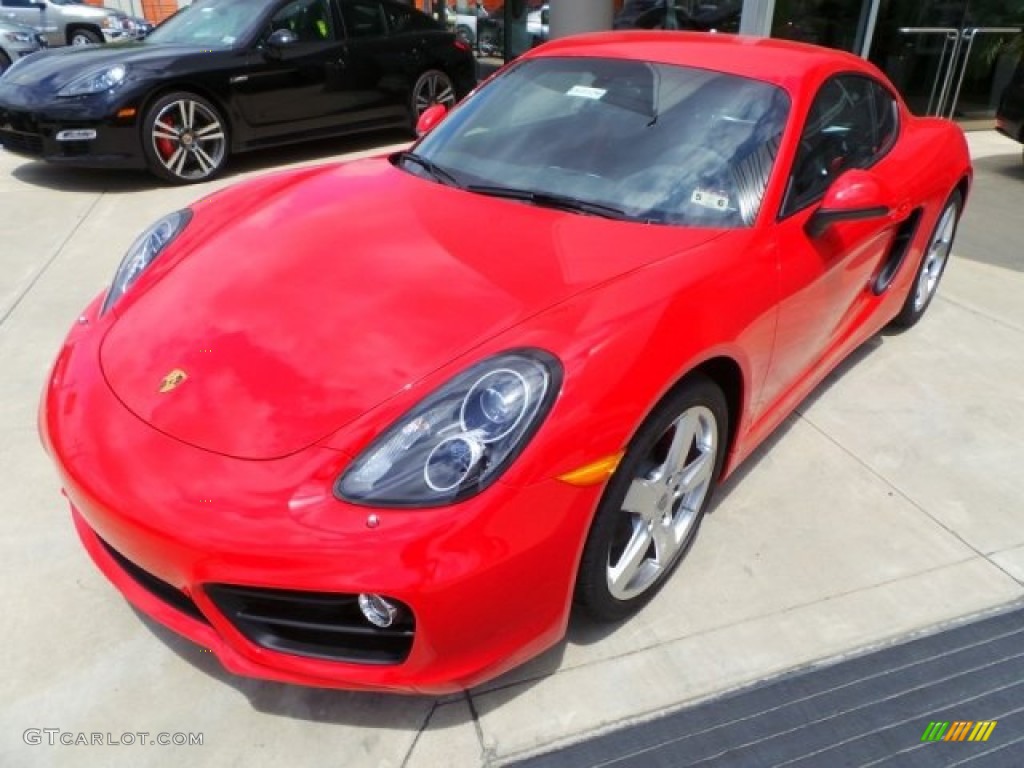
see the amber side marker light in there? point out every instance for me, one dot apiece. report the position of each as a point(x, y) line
point(127, 112)
point(593, 473)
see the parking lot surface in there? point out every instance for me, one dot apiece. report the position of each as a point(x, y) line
point(890, 503)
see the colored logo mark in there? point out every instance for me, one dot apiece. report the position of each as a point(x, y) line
point(959, 730)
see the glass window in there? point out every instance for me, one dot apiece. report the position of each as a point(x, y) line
point(851, 124)
point(661, 143)
point(17, 3)
point(402, 20)
point(208, 23)
point(310, 20)
point(363, 19)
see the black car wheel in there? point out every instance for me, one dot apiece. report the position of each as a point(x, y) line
point(84, 37)
point(4, 62)
point(933, 264)
point(185, 139)
point(432, 87)
point(653, 505)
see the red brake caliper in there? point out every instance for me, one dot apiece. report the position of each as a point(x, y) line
point(164, 145)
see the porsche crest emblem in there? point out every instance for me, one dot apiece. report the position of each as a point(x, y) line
point(172, 380)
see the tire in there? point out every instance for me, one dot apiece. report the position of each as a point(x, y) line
point(5, 62)
point(79, 37)
point(184, 138)
point(432, 87)
point(654, 503)
point(933, 264)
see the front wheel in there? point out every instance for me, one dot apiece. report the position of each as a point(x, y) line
point(933, 264)
point(4, 62)
point(653, 505)
point(184, 138)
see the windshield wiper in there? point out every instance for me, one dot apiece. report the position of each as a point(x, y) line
point(552, 200)
point(439, 173)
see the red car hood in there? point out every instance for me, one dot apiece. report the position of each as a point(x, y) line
point(332, 293)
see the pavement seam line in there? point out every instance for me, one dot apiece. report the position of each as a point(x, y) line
point(487, 756)
point(49, 262)
point(416, 738)
point(906, 497)
point(975, 311)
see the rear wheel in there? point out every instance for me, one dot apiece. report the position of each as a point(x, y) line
point(84, 37)
point(933, 264)
point(432, 87)
point(184, 138)
point(654, 503)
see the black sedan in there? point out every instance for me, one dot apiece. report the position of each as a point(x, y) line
point(1010, 113)
point(224, 76)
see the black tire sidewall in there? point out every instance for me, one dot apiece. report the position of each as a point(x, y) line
point(5, 62)
point(88, 34)
point(591, 591)
point(149, 152)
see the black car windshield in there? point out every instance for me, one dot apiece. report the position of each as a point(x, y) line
point(209, 23)
point(655, 142)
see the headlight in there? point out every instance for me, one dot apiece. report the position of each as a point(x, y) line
point(95, 82)
point(460, 439)
point(143, 251)
point(17, 37)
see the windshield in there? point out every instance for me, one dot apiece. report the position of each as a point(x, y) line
point(210, 23)
point(660, 143)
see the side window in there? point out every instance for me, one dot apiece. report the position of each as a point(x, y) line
point(851, 124)
point(17, 3)
point(310, 20)
point(363, 18)
point(401, 19)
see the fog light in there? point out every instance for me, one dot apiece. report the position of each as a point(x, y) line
point(378, 611)
point(79, 134)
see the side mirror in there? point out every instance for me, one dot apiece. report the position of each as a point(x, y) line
point(280, 38)
point(429, 118)
point(857, 194)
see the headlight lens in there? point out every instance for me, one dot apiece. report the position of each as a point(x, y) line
point(143, 251)
point(95, 82)
point(17, 37)
point(460, 439)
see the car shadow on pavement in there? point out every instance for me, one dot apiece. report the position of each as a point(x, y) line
point(1010, 166)
point(108, 181)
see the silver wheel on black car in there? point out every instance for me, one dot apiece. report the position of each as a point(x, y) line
point(432, 87)
point(184, 138)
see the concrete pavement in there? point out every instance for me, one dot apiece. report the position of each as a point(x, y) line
point(890, 503)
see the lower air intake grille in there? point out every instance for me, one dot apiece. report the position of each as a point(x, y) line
point(321, 625)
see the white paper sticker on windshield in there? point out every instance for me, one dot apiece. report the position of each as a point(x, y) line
point(586, 92)
point(710, 199)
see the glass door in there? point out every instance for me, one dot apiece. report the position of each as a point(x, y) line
point(948, 57)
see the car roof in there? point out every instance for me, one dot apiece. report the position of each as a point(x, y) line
point(782, 62)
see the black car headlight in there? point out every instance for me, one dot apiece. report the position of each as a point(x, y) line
point(96, 81)
point(460, 439)
point(142, 252)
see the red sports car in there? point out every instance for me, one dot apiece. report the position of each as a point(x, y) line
point(379, 425)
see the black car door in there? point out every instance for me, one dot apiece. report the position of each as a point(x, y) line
point(386, 42)
point(292, 83)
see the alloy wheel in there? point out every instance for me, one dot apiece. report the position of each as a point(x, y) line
point(935, 257)
point(432, 88)
point(189, 140)
point(663, 503)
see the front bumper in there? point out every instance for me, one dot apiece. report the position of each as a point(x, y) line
point(29, 126)
point(488, 582)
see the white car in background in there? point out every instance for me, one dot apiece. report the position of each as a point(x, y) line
point(17, 41)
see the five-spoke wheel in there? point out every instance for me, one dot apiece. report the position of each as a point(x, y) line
point(654, 503)
point(185, 138)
